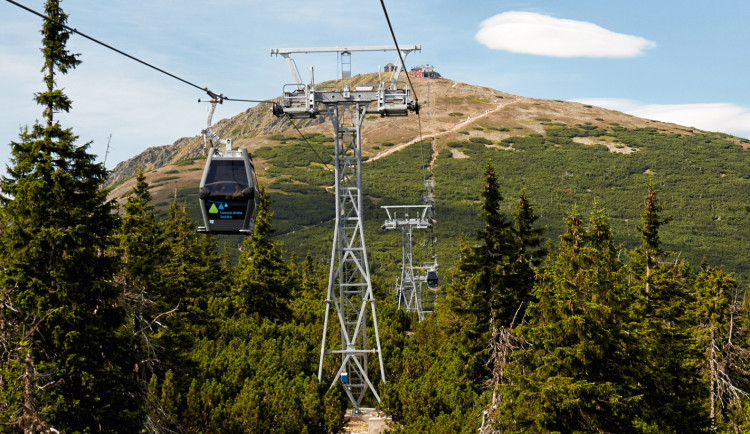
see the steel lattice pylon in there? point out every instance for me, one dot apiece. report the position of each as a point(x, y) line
point(349, 292)
point(349, 283)
point(409, 287)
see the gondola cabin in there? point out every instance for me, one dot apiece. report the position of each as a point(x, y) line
point(432, 279)
point(228, 193)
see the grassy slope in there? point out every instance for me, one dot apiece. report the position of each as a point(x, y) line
point(704, 180)
point(704, 177)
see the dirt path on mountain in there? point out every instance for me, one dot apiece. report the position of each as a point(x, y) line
point(453, 129)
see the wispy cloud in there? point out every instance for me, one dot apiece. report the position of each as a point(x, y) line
point(722, 117)
point(533, 33)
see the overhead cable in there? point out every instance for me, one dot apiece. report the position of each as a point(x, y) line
point(310, 146)
point(416, 98)
point(400, 57)
point(266, 101)
point(92, 39)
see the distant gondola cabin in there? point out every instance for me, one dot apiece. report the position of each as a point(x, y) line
point(432, 279)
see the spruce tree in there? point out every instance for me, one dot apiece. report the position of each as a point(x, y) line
point(573, 375)
point(472, 296)
point(191, 274)
point(310, 288)
point(530, 239)
point(463, 311)
point(263, 283)
point(67, 347)
point(492, 280)
point(140, 252)
point(652, 220)
point(139, 237)
point(667, 362)
point(308, 301)
point(720, 336)
point(519, 275)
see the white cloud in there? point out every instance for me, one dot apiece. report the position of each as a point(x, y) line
point(722, 117)
point(618, 104)
point(533, 33)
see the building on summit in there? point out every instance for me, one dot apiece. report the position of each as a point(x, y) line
point(425, 71)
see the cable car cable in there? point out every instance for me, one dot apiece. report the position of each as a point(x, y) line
point(310, 146)
point(92, 39)
point(431, 277)
point(400, 57)
point(416, 98)
point(250, 100)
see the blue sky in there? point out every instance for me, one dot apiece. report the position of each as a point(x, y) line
point(677, 61)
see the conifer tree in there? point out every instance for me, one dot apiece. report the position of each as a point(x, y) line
point(139, 237)
point(573, 375)
point(295, 275)
point(492, 280)
point(262, 279)
point(720, 336)
point(308, 303)
point(651, 222)
point(75, 365)
point(667, 361)
point(520, 276)
point(466, 308)
point(529, 238)
point(140, 251)
point(190, 274)
point(310, 285)
point(472, 296)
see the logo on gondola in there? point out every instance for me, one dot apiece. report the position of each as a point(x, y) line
point(214, 209)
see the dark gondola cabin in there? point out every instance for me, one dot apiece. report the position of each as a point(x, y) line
point(432, 279)
point(228, 193)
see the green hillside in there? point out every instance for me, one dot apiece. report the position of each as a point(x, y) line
point(704, 179)
point(564, 154)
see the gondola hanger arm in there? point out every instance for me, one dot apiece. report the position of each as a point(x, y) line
point(208, 133)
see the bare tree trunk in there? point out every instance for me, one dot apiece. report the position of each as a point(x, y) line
point(712, 362)
point(31, 420)
point(502, 344)
point(496, 357)
point(727, 363)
